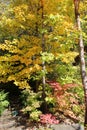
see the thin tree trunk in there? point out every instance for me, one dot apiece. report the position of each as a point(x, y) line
point(83, 70)
point(82, 59)
point(43, 63)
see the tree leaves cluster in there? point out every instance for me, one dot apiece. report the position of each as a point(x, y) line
point(21, 33)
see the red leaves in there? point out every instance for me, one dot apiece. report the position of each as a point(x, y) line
point(58, 87)
point(69, 85)
point(48, 119)
point(55, 85)
point(64, 99)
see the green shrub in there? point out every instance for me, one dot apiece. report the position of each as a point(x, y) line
point(31, 104)
point(3, 101)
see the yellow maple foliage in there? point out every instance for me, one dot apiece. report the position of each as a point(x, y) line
point(23, 40)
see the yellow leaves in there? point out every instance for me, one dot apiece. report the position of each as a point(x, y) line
point(23, 44)
point(9, 43)
point(37, 60)
point(69, 57)
point(23, 50)
point(8, 25)
point(66, 60)
point(28, 42)
point(20, 12)
point(30, 16)
point(26, 61)
point(66, 56)
point(10, 46)
point(3, 58)
point(22, 84)
point(33, 51)
point(4, 18)
point(6, 21)
point(68, 24)
point(25, 23)
point(11, 78)
point(2, 71)
point(25, 72)
point(83, 7)
point(14, 58)
point(37, 67)
point(51, 6)
point(9, 22)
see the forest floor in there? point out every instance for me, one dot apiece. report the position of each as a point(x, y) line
point(14, 119)
point(9, 122)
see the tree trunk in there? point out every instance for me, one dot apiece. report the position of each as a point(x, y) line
point(44, 104)
point(82, 59)
point(83, 70)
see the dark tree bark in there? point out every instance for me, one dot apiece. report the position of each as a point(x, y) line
point(82, 59)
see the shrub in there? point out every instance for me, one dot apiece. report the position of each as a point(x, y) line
point(31, 104)
point(48, 119)
point(3, 101)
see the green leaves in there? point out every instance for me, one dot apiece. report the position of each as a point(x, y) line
point(47, 57)
point(3, 101)
point(31, 104)
point(34, 115)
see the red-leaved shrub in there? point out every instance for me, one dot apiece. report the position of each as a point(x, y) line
point(48, 119)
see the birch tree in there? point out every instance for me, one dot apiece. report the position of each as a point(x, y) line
point(81, 53)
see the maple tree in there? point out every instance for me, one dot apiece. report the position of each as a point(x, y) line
point(22, 46)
